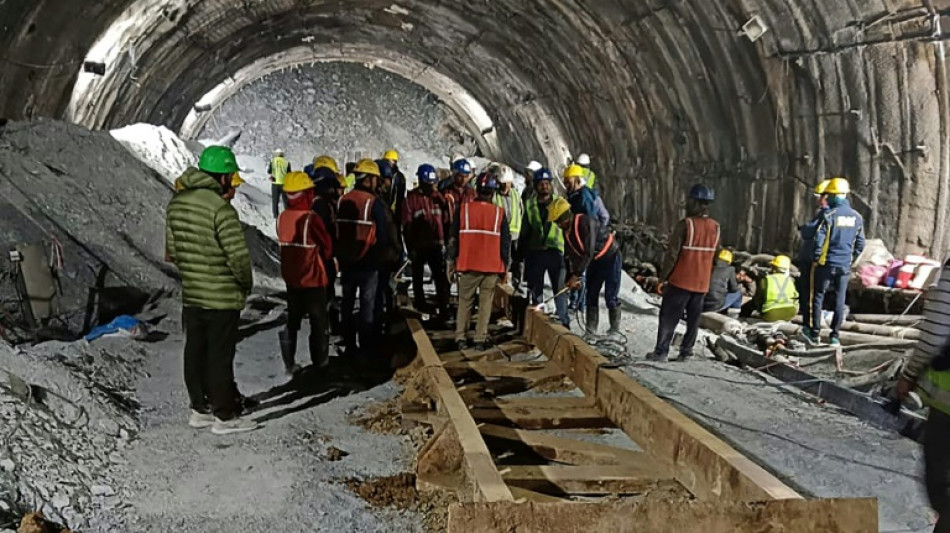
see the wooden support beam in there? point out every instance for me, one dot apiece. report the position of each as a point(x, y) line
point(482, 477)
point(708, 467)
point(631, 478)
point(827, 516)
point(550, 402)
point(533, 371)
point(563, 450)
point(544, 418)
point(524, 495)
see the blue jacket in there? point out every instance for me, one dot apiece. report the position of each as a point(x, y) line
point(840, 236)
point(806, 252)
point(583, 202)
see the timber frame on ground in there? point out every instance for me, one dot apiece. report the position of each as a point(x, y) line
point(511, 474)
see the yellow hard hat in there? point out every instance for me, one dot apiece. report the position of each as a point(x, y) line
point(781, 262)
point(725, 256)
point(297, 181)
point(573, 171)
point(822, 187)
point(391, 155)
point(557, 208)
point(236, 180)
point(179, 186)
point(838, 186)
point(366, 166)
point(327, 162)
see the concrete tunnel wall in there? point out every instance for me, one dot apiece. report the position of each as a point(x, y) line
point(661, 93)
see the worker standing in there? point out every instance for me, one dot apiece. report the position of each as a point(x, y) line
point(204, 238)
point(361, 234)
point(928, 370)
point(479, 249)
point(588, 175)
point(399, 186)
point(542, 245)
point(305, 246)
point(508, 199)
point(687, 269)
point(839, 240)
point(529, 171)
point(776, 298)
point(277, 169)
point(327, 190)
point(583, 201)
point(424, 218)
point(460, 191)
point(591, 248)
point(806, 253)
point(724, 292)
point(389, 256)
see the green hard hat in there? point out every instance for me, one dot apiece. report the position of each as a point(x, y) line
point(218, 160)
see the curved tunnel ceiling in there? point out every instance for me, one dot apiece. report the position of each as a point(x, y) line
point(662, 93)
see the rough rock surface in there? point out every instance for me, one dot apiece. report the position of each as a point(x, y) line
point(343, 109)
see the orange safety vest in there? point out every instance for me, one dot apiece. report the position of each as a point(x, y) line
point(355, 227)
point(300, 261)
point(579, 248)
point(693, 267)
point(480, 238)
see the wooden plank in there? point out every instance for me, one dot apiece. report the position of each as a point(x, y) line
point(487, 484)
point(524, 495)
point(563, 450)
point(533, 371)
point(708, 467)
point(544, 418)
point(631, 478)
point(551, 402)
point(827, 516)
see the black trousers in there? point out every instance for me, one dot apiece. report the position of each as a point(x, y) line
point(436, 261)
point(210, 344)
point(310, 303)
point(676, 301)
point(937, 466)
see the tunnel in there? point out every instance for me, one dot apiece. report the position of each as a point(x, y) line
point(760, 99)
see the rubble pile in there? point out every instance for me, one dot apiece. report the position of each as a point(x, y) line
point(343, 109)
point(67, 411)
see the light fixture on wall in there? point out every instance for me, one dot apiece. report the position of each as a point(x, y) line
point(754, 28)
point(202, 108)
point(94, 67)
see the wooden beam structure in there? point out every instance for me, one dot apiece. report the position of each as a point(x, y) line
point(628, 478)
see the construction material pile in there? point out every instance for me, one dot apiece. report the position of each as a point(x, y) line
point(342, 109)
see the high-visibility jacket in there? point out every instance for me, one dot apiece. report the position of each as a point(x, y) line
point(693, 267)
point(590, 178)
point(304, 245)
point(480, 225)
point(355, 227)
point(537, 233)
point(513, 208)
point(781, 297)
point(279, 167)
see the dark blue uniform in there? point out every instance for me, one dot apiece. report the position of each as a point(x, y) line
point(838, 241)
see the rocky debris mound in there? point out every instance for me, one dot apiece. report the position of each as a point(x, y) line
point(343, 109)
point(82, 194)
point(66, 413)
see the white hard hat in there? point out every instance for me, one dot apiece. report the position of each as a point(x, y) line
point(505, 174)
point(278, 152)
point(583, 160)
point(534, 166)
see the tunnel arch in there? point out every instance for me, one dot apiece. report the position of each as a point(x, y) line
point(662, 93)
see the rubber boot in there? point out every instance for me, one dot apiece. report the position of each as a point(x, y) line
point(288, 349)
point(319, 353)
point(614, 315)
point(593, 320)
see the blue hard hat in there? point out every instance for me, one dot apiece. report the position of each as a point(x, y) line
point(543, 174)
point(486, 182)
point(462, 166)
point(702, 193)
point(427, 174)
point(385, 168)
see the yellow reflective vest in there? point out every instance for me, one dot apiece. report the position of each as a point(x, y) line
point(278, 169)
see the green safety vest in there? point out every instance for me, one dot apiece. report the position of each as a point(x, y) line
point(278, 169)
point(554, 237)
point(590, 177)
point(934, 389)
point(780, 293)
point(516, 214)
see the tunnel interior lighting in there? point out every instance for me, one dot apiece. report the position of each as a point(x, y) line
point(94, 67)
point(203, 108)
point(754, 28)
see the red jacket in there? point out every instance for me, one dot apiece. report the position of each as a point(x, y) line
point(481, 225)
point(424, 217)
point(304, 245)
point(456, 196)
point(693, 268)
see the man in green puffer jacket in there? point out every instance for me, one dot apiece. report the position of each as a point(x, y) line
point(204, 238)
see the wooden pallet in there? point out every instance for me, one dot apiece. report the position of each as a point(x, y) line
point(513, 475)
